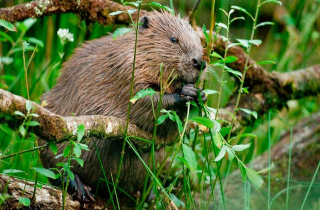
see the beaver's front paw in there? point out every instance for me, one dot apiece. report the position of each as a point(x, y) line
point(190, 93)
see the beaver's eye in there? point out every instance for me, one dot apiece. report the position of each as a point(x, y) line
point(174, 40)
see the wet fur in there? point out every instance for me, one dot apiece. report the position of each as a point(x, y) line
point(96, 81)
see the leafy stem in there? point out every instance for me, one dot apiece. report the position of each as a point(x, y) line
point(245, 68)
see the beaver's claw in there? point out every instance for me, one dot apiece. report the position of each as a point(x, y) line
point(78, 190)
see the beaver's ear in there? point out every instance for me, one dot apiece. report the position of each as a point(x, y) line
point(144, 23)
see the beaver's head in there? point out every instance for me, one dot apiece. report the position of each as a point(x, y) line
point(167, 39)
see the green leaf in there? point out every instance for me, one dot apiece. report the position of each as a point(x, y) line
point(265, 170)
point(245, 90)
point(28, 105)
point(6, 60)
point(233, 44)
point(225, 130)
point(80, 132)
point(53, 147)
point(222, 25)
point(250, 135)
point(7, 37)
point(34, 115)
point(116, 13)
point(203, 121)
point(243, 42)
point(221, 154)
point(218, 141)
point(190, 157)
point(254, 177)
point(12, 171)
point(237, 18)
point(230, 153)
point(143, 93)
point(204, 29)
point(45, 172)
point(234, 72)
point(66, 151)
point(264, 23)
point(84, 146)
point(210, 92)
point(242, 171)
point(224, 38)
point(34, 41)
point(7, 25)
point(256, 42)
point(178, 121)
point(242, 10)
point(216, 55)
point(230, 59)
point(266, 62)
point(76, 150)
point(24, 201)
point(131, 11)
point(7, 77)
point(18, 49)
point(58, 156)
point(136, 4)
point(217, 127)
point(240, 147)
point(271, 1)
point(19, 113)
point(79, 160)
point(32, 123)
point(162, 118)
point(120, 31)
point(71, 174)
point(156, 4)
point(253, 113)
point(6, 128)
point(176, 201)
point(26, 24)
point(22, 130)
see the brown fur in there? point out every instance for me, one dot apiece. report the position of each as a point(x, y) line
point(96, 81)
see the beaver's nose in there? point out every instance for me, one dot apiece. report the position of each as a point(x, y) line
point(197, 63)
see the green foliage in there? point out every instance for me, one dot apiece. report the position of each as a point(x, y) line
point(7, 25)
point(143, 93)
point(46, 172)
point(24, 201)
point(120, 31)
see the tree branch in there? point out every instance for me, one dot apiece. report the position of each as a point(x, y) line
point(89, 10)
point(57, 128)
point(46, 198)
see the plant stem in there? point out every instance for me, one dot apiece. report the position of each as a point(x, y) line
point(25, 151)
point(223, 69)
point(136, 27)
point(209, 44)
point(245, 69)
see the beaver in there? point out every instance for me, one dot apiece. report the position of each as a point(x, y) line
point(96, 80)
